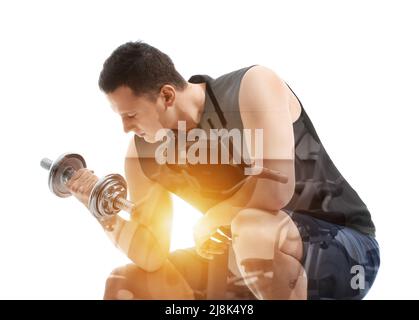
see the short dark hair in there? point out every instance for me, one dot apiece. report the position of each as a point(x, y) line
point(141, 67)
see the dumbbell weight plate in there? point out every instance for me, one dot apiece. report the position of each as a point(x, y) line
point(57, 176)
point(103, 197)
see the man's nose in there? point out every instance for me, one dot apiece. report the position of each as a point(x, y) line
point(127, 126)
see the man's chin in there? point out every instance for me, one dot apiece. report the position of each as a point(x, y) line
point(141, 134)
point(148, 139)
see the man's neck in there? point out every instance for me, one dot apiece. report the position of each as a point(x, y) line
point(192, 100)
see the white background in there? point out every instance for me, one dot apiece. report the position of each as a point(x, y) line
point(353, 64)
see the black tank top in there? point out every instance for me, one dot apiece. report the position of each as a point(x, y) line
point(320, 190)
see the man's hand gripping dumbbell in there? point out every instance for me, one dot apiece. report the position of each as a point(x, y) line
point(103, 197)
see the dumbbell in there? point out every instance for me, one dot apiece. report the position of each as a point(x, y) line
point(109, 195)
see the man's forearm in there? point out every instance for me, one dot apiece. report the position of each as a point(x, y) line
point(145, 238)
point(269, 195)
point(138, 241)
point(224, 212)
point(272, 189)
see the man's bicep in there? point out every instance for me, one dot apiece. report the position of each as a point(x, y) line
point(264, 105)
point(151, 198)
point(138, 183)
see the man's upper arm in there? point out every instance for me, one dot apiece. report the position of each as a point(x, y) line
point(138, 183)
point(152, 200)
point(264, 104)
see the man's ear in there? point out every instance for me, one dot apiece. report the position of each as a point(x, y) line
point(168, 94)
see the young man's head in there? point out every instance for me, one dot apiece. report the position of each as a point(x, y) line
point(142, 85)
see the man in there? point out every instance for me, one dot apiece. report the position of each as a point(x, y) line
point(298, 229)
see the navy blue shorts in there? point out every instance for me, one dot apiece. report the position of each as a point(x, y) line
point(340, 263)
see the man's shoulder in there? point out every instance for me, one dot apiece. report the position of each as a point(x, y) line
point(257, 73)
point(260, 82)
point(237, 73)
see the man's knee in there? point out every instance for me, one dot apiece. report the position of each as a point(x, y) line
point(269, 245)
point(256, 219)
point(259, 232)
point(119, 283)
point(132, 282)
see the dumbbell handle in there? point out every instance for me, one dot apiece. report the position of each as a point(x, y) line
point(120, 202)
point(123, 204)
